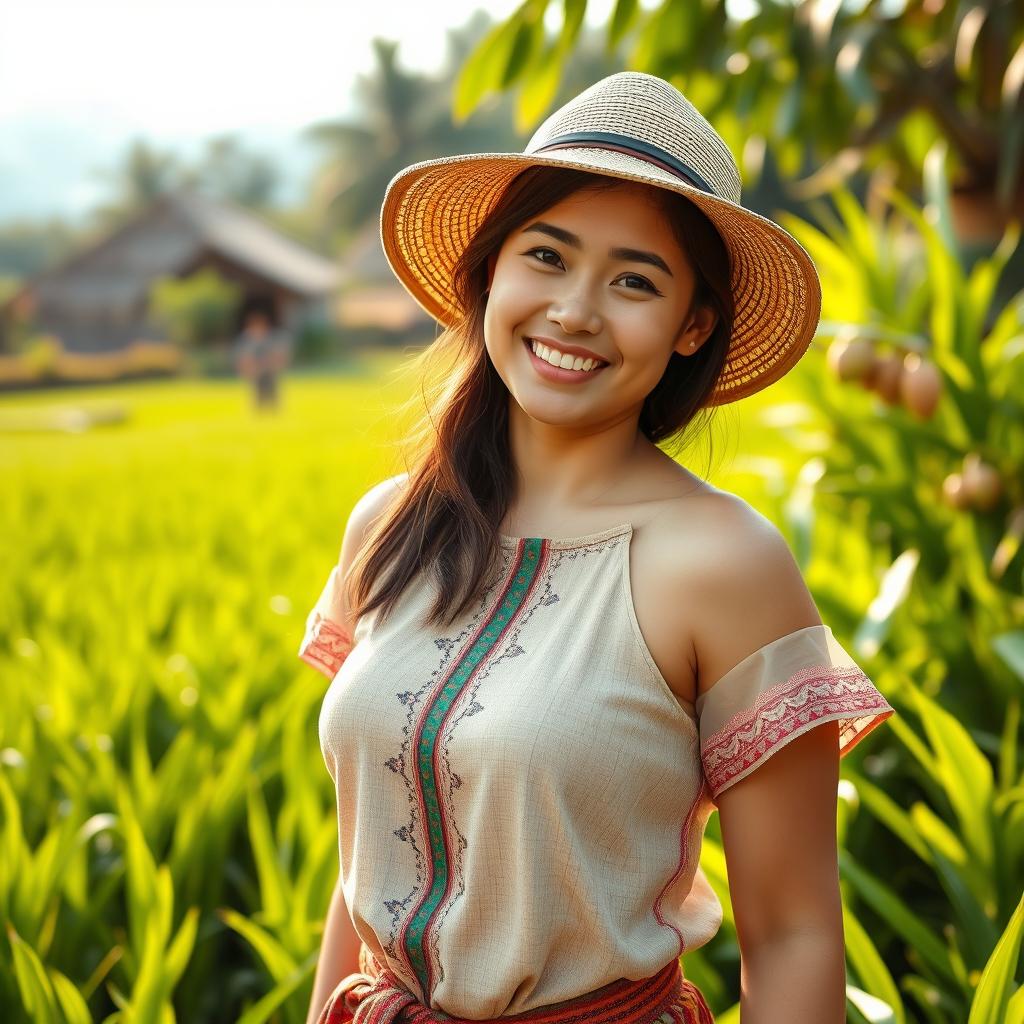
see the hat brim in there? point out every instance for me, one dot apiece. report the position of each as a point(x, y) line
point(432, 209)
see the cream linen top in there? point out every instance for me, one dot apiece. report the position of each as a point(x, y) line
point(522, 799)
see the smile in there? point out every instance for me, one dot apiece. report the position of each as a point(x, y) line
point(565, 362)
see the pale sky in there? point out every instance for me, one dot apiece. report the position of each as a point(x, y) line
point(79, 79)
point(184, 66)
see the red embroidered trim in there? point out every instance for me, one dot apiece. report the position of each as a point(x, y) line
point(375, 995)
point(788, 709)
point(689, 857)
point(325, 646)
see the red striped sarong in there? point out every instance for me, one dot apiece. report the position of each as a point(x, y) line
point(376, 996)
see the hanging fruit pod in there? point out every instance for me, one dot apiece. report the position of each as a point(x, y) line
point(920, 385)
point(851, 358)
point(886, 376)
point(953, 493)
point(982, 482)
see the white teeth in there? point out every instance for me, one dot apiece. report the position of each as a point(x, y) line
point(562, 359)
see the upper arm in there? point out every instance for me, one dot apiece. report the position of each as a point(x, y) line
point(774, 774)
point(751, 592)
point(363, 516)
point(329, 633)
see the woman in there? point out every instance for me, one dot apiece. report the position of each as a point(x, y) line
point(554, 650)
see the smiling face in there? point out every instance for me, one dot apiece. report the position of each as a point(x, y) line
point(600, 275)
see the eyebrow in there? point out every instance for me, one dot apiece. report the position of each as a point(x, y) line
point(632, 255)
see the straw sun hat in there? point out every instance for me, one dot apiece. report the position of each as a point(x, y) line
point(635, 127)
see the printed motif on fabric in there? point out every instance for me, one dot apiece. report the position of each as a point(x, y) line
point(326, 646)
point(414, 938)
point(400, 764)
point(466, 704)
point(434, 711)
point(806, 697)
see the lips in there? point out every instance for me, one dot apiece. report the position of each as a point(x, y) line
point(572, 350)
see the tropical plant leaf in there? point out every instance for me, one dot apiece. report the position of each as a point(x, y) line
point(996, 985)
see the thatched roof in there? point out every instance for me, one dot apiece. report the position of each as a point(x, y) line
point(175, 234)
point(245, 239)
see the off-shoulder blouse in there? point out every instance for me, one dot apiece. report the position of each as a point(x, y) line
point(522, 798)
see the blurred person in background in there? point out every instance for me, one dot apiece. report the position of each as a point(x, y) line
point(262, 351)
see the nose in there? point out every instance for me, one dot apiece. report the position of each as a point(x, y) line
point(575, 315)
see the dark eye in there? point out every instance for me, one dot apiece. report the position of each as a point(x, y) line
point(542, 252)
point(641, 283)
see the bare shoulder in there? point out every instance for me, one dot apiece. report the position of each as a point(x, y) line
point(738, 584)
point(367, 510)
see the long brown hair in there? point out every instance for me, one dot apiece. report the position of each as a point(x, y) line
point(461, 478)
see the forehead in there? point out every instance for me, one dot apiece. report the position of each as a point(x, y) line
point(623, 214)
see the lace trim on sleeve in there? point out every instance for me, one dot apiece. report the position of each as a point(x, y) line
point(326, 645)
point(820, 693)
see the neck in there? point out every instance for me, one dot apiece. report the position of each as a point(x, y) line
point(564, 470)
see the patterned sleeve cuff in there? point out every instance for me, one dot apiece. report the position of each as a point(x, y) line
point(325, 646)
point(778, 693)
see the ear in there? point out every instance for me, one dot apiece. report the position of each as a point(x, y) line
point(697, 330)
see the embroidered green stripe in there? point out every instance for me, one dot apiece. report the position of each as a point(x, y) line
point(500, 617)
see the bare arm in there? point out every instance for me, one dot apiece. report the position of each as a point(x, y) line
point(339, 954)
point(778, 825)
point(339, 950)
point(779, 822)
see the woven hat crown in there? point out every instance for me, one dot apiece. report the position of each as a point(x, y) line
point(633, 127)
point(648, 114)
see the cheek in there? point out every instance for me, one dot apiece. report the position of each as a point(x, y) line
point(646, 333)
point(513, 298)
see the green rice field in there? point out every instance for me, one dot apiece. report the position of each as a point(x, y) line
point(167, 825)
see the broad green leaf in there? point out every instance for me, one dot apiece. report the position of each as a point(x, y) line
point(936, 190)
point(73, 1007)
point(870, 969)
point(1015, 1007)
point(538, 90)
point(14, 854)
point(141, 873)
point(484, 68)
point(53, 855)
point(33, 984)
point(985, 275)
point(261, 1010)
point(317, 874)
point(997, 979)
point(1008, 744)
point(621, 21)
point(574, 11)
point(276, 958)
point(1010, 647)
point(978, 930)
point(274, 886)
point(892, 594)
point(965, 775)
point(181, 948)
point(529, 35)
point(870, 1008)
point(900, 917)
point(149, 990)
point(889, 813)
point(853, 70)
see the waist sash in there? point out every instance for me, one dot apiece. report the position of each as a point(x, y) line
point(376, 996)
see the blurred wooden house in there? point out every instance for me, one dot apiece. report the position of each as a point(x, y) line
point(371, 298)
point(97, 300)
